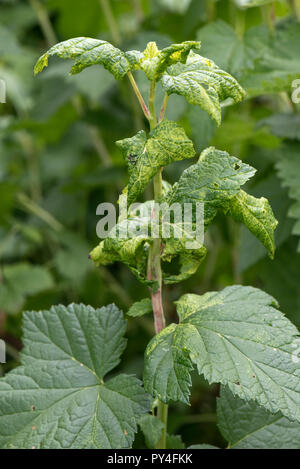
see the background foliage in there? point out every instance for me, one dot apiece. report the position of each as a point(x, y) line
point(58, 161)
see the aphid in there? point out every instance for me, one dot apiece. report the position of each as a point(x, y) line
point(132, 158)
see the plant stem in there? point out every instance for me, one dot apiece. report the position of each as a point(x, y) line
point(117, 39)
point(138, 10)
point(155, 272)
point(41, 213)
point(295, 6)
point(139, 97)
point(155, 275)
point(33, 165)
point(162, 414)
point(239, 23)
point(153, 119)
point(44, 21)
point(268, 14)
point(163, 108)
point(210, 10)
point(115, 286)
point(100, 146)
point(154, 265)
point(51, 39)
point(287, 101)
point(112, 24)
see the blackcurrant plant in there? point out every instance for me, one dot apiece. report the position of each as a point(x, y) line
point(59, 397)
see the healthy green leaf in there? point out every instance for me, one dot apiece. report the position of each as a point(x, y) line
point(203, 83)
point(235, 337)
point(20, 281)
point(87, 17)
point(152, 429)
point(284, 125)
point(280, 277)
point(168, 367)
point(278, 65)
point(257, 215)
point(140, 308)
point(86, 52)
point(263, 63)
point(9, 43)
point(203, 127)
point(71, 261)
point(204, 446)
point(176, 6)
point(8, 193)
point(288, 170)
point(251, 3)
point(145, 156)
point(214, 181)
point(58, 398)
point(228, 50)
point(174, 442)
point(245, 425)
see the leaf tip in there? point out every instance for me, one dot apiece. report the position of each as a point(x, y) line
point(41, 64)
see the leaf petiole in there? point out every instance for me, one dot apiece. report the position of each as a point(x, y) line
point(163, 108)
point(139, 96)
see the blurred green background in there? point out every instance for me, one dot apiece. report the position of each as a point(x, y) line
point(58, 161)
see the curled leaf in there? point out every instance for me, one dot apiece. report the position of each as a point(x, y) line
point(167, 143)
point(87, 52)
point(203, 83)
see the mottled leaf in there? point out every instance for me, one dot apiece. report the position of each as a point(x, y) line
point(251, 250)
point(140, 308)
point(145, 156)
point(154, 62)
point(214, 181)
point(129, 242)
point(132, 250)
point(203, 83)
point(189, 259)
point(257, 215)
point(86, 52)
